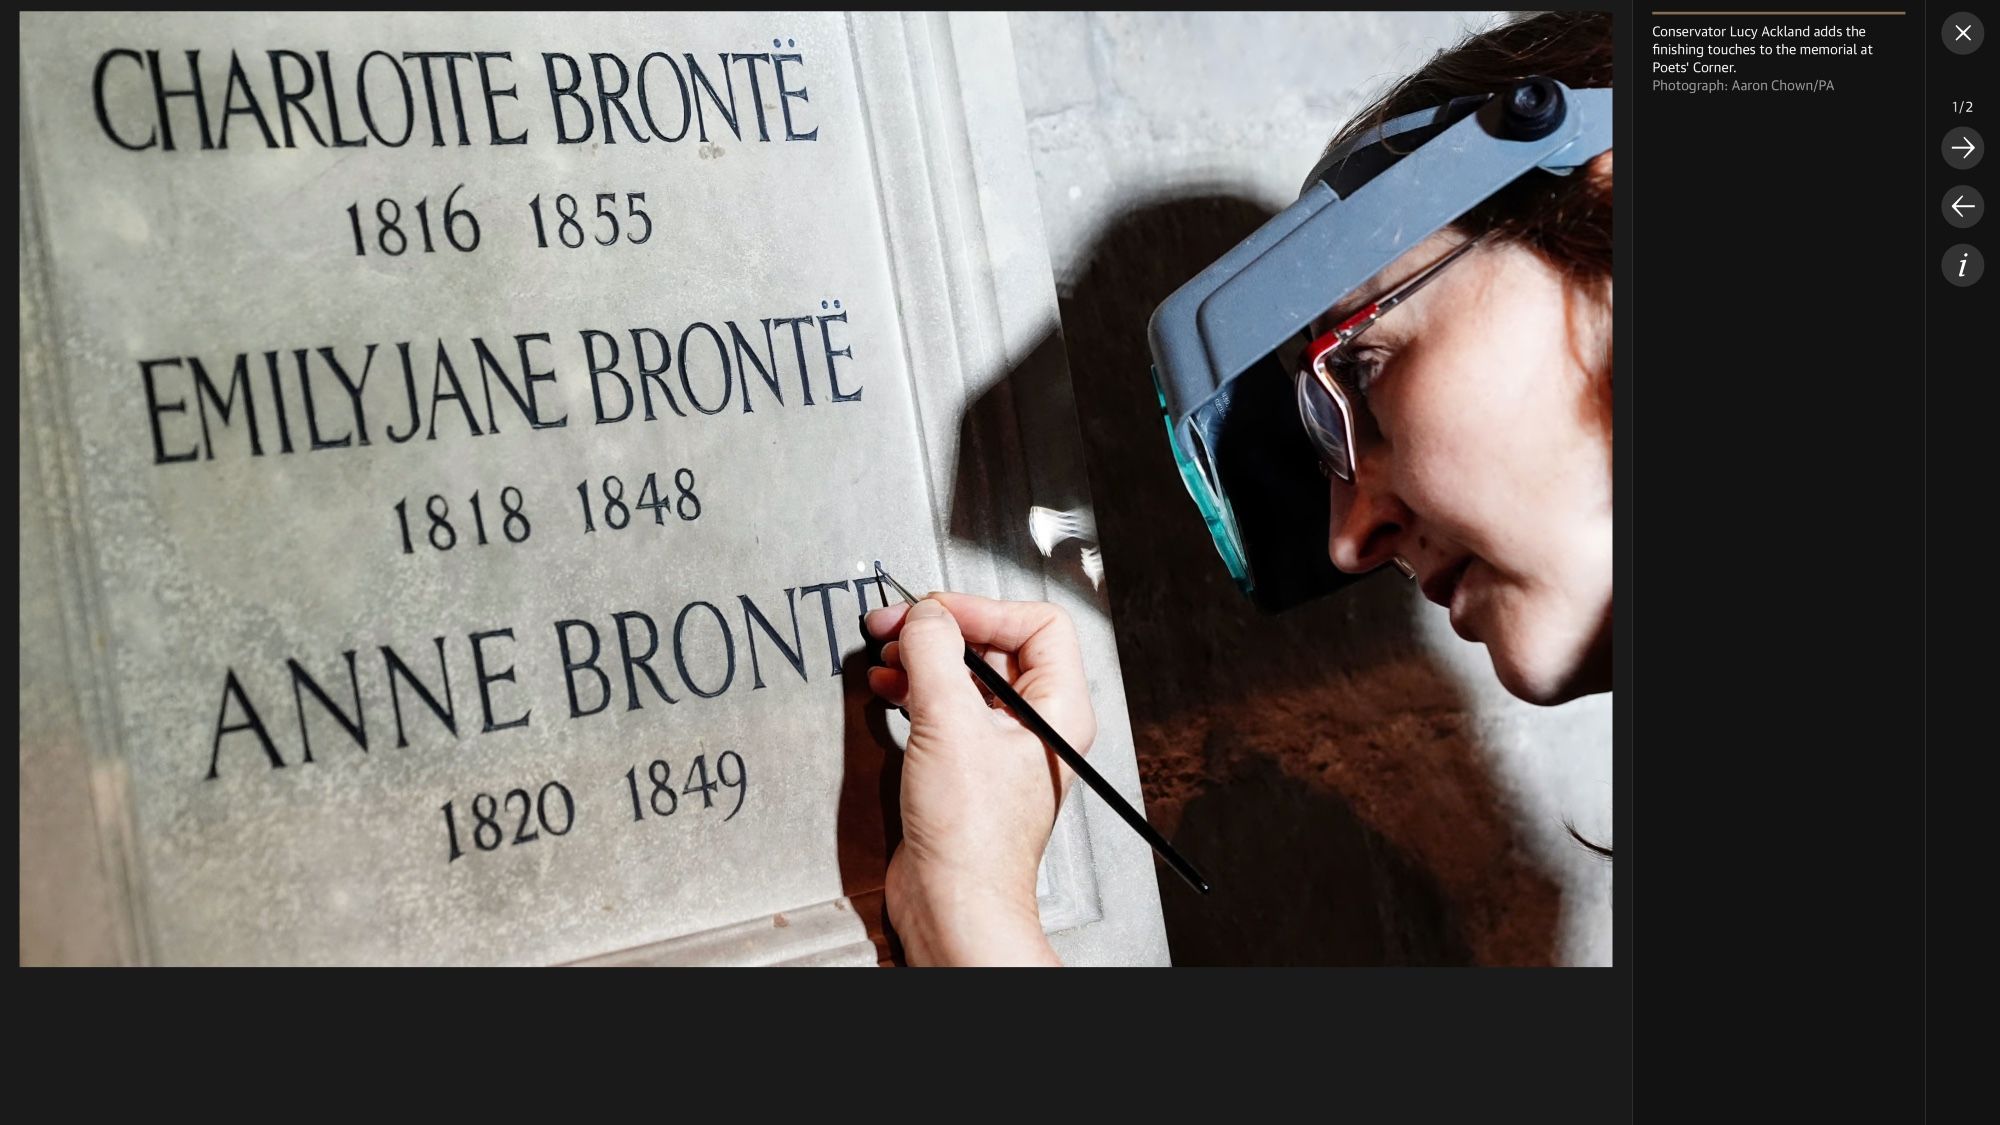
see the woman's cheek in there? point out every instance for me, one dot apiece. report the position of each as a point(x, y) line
point(1438, 472)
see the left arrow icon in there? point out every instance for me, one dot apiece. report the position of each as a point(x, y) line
point(1962, 206)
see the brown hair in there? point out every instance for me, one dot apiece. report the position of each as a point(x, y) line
point(1565, 219)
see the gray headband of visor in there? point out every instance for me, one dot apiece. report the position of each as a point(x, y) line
point(1364, 205)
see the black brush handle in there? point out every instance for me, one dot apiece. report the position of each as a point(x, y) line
point(998, 685)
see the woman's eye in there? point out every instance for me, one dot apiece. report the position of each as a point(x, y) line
point(1357, 372)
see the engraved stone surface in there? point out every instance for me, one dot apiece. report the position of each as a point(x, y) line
point(457, 443)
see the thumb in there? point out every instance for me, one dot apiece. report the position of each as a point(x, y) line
point(933, 656)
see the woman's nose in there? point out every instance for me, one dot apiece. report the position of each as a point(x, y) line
point(1366, 521)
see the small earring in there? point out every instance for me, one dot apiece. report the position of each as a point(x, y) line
point(1409, 571)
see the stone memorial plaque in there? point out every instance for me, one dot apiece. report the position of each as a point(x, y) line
point(453, 449)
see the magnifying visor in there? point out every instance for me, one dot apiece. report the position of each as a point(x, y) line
point(1231, 408)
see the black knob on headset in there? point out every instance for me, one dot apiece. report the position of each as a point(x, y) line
point(1532, 108)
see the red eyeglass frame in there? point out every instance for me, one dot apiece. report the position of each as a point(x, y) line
point(1313, 363)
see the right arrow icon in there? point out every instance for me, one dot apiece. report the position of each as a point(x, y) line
point(1963, 147)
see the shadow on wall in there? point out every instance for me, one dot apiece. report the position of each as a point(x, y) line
point(1318, 766)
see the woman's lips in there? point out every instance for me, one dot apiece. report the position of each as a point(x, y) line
point(1440, 587)
point(1444, 588)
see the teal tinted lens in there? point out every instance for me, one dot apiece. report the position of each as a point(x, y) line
point(1214, 509)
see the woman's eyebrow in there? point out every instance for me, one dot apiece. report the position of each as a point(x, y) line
point(1345, 309)
point(1376, 287)
point(1369, 290)
point(1326, 320)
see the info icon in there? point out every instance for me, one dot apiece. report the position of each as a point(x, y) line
point(1963, 265)
point(1963, 33)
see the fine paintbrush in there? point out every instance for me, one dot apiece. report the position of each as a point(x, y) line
point(1004, 691)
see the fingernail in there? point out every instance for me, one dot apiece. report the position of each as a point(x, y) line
point(928, 608)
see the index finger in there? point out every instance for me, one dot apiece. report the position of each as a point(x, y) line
point(1045, 647)
point(1026, 628)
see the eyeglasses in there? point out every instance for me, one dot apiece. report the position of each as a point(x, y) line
point(1325, 407)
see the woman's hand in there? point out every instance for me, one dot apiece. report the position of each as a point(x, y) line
point(980, 791)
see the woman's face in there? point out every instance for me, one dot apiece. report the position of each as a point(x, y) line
point(1484, 460)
